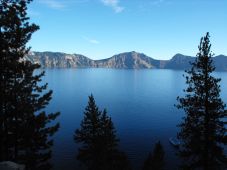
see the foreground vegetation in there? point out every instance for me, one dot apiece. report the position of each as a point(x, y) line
point(25, 132)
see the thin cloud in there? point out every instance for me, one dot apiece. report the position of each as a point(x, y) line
point(157, 2)
point(54, 4)
point(60, 4)
point(92, 41)
point(113, 4)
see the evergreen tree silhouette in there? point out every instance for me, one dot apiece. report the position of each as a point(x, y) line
point(203, 130)
point(155, 161)
point(99, 150)
point(24, 130)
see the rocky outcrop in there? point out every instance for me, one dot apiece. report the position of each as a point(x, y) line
point(8, 165)
point(179, 61)
point(127, 60)
point(220, 62)
point(59, 60)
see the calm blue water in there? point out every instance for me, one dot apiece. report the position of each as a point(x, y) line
point(140, 102)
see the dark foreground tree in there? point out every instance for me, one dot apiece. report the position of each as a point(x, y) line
point(203, 129)
point(99, 150)
point(24, 130)
point(155, 161)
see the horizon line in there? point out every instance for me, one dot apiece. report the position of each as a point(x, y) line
point(119, 54)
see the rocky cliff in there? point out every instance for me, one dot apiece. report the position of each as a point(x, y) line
point(127, 60)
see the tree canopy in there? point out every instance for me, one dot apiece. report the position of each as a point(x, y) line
point(99, 150)
point(203, 129)
point(25, 132)
point(155, 160)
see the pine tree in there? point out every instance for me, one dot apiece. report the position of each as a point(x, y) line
point(88, 134)
point(24, 133)
point(155, 161)
point(203, 130)
point(99, 150)
point(109, 140)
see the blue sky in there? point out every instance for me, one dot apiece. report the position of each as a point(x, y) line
point(101, 28)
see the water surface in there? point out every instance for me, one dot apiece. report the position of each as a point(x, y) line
point(140, 102)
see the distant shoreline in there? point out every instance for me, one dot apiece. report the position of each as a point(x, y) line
point(127, 60)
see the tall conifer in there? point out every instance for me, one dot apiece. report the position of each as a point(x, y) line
point(203, 129)
point(155, 161)
point(99, 150)
point(24, 130)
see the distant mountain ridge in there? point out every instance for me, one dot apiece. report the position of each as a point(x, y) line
point(127, 60)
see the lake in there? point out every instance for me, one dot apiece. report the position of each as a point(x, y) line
point(140, 102)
